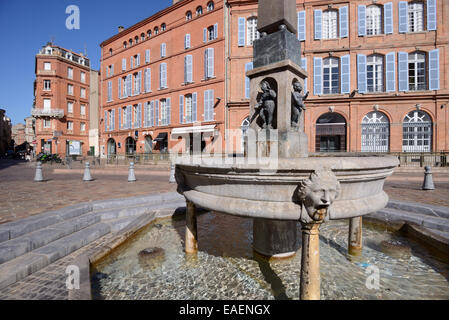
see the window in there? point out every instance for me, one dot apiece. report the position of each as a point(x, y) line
point(142, 36)
point(83, 109)
point(47, 104)
point(199, 10)
point(156, 31)
point(109, 91)
point(163, 50)
point(136, 39)
point(244, 127)
point(415, 16)
point(209, 63)
point(147, 80)
point(137, 112)
point(187, 41)
point(373, 20)
point(188, 108)
point(375, 132)
point(137, 82)
point(210, 6)
point(189, 15)
point(70, 73)
point(165, 111)
point(147, 56)
point(83, 126)
point(209, 105)
point(123, 64)
point(125, 44)
point(110, 52)
point(47, 85)
point(374, 73)
point(163, 27)
point(417, 71)
point(149, 34)
point(70, 89)
point(130, 42)
point(188, 69)
point(251, 31)
point(83, 76)
point(210, 33)
point(83, 93)
point(69, 107)
point(47, 123)
point(70, 125)
point(47, 66)
point(417, 132)
point(163, 76)
point(331, 76)
point(329, 24)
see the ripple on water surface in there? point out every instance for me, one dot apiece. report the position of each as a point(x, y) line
point(225, 267)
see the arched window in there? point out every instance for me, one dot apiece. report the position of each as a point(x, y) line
point(199, 10)
point(125, 44)
point(189, 15)
point(112, 150)
point(417, 132)
point(156, 30)
point(210, 6)
point(415, 16)
point(130, 42)
point(417, 71)
point(136, 39)
point(110, 52)
point(251, 31)
point(374, 73)
point(142, 36)
point(149, 34)
point(148, 144)
point(330, 133)
point(130, 146)
point(331, 75)
point(373, 20)
point(163, 27)
point(330, 23)
point(244, 127)
point(375, 132)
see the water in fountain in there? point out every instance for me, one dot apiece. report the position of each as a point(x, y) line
point(226, 268)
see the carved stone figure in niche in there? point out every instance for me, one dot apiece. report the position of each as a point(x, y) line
point(317, 193)
point(266, 105)
point(298, 105)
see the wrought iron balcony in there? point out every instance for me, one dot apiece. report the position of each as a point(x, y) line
point(52, 113)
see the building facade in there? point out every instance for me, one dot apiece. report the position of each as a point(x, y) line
point(377, 76)
point(61, 103)
point(5, 133)
point(30, 135)
point(18, 134)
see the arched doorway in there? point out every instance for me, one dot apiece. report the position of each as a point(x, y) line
point(112, 150)
point(244, 127)
point(375, 132)
point(330, 133)
point(417, 132)
point(130, 146)
point(148, 144)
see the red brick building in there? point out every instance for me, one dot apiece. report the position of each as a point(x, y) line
point(377, 75)
point(61, 103)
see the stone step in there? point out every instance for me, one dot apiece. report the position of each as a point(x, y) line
point(430, 222)
point(420, 208)
point(20, 267)
point(21, 245)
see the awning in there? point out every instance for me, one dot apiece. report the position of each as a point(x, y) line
point(196, 129)
point(161, 136)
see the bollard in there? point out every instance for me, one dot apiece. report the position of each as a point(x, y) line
point(131, 175)
point(172, 173)
point(87, 176)
point(38, 176)
point(428, 180)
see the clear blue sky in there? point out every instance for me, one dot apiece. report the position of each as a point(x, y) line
point(26, 26)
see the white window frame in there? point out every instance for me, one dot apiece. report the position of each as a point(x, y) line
point(331, 63)
point(83, 93)
point(70, 89)
point(69, 107)
point(376, 72)
point(69, 125)
point(83, 77)
point(418, 60)
point(415, 16)
point(70, 73)
point(329, 24)
point(251, 31)
point(83, 109)
point(46, 123)
point(374, 20)
point(47, 104)
point(82, 126)
point(188, 111)
point(47, 88)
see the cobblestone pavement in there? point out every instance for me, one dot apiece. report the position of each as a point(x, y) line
point(20, 197)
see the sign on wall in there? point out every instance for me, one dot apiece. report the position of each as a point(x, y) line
point(74, 147)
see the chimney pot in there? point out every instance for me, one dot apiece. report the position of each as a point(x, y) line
point(120, 29)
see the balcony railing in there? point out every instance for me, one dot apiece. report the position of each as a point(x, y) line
point(52, 113)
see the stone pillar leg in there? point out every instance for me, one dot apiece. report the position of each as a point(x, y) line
point(355, 236)
point(310, 262)
point(275, 238)
point(191, 230)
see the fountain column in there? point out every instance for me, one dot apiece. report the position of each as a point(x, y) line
point(191, 229)
point(310, 262)
point(355, 236)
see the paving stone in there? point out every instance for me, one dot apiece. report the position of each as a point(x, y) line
point(13, 248)
point(21, 267)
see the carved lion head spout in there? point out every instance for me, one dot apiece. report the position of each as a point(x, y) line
point(317, 193)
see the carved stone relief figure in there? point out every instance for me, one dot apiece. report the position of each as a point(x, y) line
point(266, 104)
point(298, 105)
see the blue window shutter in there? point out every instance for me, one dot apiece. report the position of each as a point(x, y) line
point(204, 35)
point(388, 17)
point(211, 104)
point(139, 116)
point(112, 70)
point(317, 14)
point(139, 82)
point(185, 69)
point(156, 113)
point(434, 69)
point(168, 110)
point(138, 60)
point(145, 115)
point(248, 67)
point(113, 120)
point(304, 66)
point(149, 79)
point(317, 76)
point(123, 64)
point(205, 63)
point(119, 118)
point(343, 13)
point(187, 41)
point(105, 120)
point(345, 74)
point(181, 109)
point(403, 16)
point(147, 56)
point(151, 113)
point(131, 62)
point(216, 31)
point(241, 32)
point(129, 84)
point(210, 62)
point(302, 25)
point(431, 15)
point(361, 11)
point(361, 73)
point(206, 105)
point(391, 71)
point(190, 68)
point(403, 71)
point(119, 88)
point(194, 106)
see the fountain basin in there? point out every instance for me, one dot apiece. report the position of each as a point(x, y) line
point(248, 190)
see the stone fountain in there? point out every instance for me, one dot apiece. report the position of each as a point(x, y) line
point(278, 183)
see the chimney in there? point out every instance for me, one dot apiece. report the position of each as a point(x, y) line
point(120, 29)
point(175, 1)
